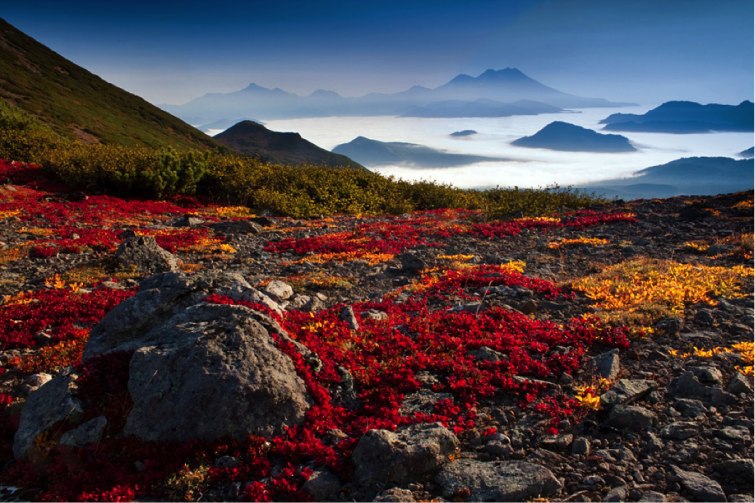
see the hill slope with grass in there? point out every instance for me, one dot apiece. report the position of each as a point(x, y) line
point(77, 104)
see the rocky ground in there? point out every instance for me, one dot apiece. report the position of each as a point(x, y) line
point(426, 356)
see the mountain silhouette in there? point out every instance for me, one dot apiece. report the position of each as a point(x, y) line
point(251, 138)
point(462, 94)
point(685, 117)
point(569, 137)
point(687, 176)
point(373, 153)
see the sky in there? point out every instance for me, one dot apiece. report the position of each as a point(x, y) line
point(169, 52)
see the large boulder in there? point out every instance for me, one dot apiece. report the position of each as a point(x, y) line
point(210, 348)
point(196, 370)
point(136, 322)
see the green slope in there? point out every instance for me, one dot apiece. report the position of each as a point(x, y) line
point(79, 105)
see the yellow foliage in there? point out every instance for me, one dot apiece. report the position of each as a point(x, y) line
point(742, 349)
point(554, 245)
point(8, 214)
point(656, 287)
point(231, 211)
point(459, 257)
point(8, 255)
point(187, 484)
point(322, 258)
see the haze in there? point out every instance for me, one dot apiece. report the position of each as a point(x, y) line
point(170, 52)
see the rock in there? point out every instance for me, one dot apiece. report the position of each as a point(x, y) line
point(474, 480)
point(323, 485)
point(698, 485)
point(227, 462)
point(690, 407)
point(740, 384)
point(34, 382)
point(741, 469)
point(631, 417)
point(681, 430)
point(279, 290)
point(396, 494)
point(739, 434)
point(653, 496)
point(670, 325)
point(558, 442)
point(487, 354)
point(51, 406)
point(580, 447)
point(385, 458)
point(187, 221)
point(652, 443)
point(411, 263)
point(607, 364)
point(626, 391)
point(299, 302)
point(87, 433)
point(375, 315)
point(174, 383)
point(236, 227)
point(708, 375)
point(689, 386)
point(145, 254)
point(616, 494)
point(422, 401)
point(347, 315)
point(129, 325)
point(499, 445)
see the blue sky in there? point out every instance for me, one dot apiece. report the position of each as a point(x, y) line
point(646, 51)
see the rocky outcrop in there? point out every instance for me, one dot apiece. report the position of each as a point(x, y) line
point(144, 254)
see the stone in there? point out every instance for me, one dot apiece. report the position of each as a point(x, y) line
point(375, 315)
point(34, 382)
point(187, 221)
point(740, 384)
point(383, 458)
point(146, 255)
point(631, 417)
point(396, 494)
point(299, 302)
point(688, 385)
point(87, 433)
point(174, 383)
point(741, 469)
point(627, 391)
point(411, 263)
point(580, 447)
point(235, 227)
point(698, 485)
point(279, 290)
point(52, 405)
point(348, 315)
point(128, 326)
point(690, 407)
point(739, 434)
point(323, 485)
point(423, 400)
point(680, 430)
point(617, 494)
point(653, 496)
point(558, 442)
point(474, 480)
point(227, 461)
point(708, 375)
point(487, 354)
point(607, 364)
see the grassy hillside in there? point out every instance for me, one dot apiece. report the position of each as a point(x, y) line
point(77, 104)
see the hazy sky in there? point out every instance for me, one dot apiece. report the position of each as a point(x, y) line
point(646, 51)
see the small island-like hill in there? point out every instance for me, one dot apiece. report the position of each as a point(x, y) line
point(572, 138)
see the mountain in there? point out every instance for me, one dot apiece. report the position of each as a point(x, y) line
point(493, 93)
point(77, 104)
point(480, 108)
point(747, 154)
point(687, 176)
point(251, 138)
point(568, 137)
point(377, 153)
point(685, 117)
point(463, 133)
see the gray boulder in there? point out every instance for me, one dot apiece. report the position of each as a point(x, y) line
point(279, 290)
point(87, 433)
point(384, 458)
point(607, 365)
point(474, 480)
point(627, 391)
point(131, 324)
point(698, 485)
point(631, 417)
point(146, 255)
point(206, 348)
point(53, 405)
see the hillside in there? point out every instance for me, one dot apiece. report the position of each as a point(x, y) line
point(79, 105)
point(380, 153)
point(701, 176)
point(572, 138)
point(251, 138)
point(157, 351)
point(685, 117)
